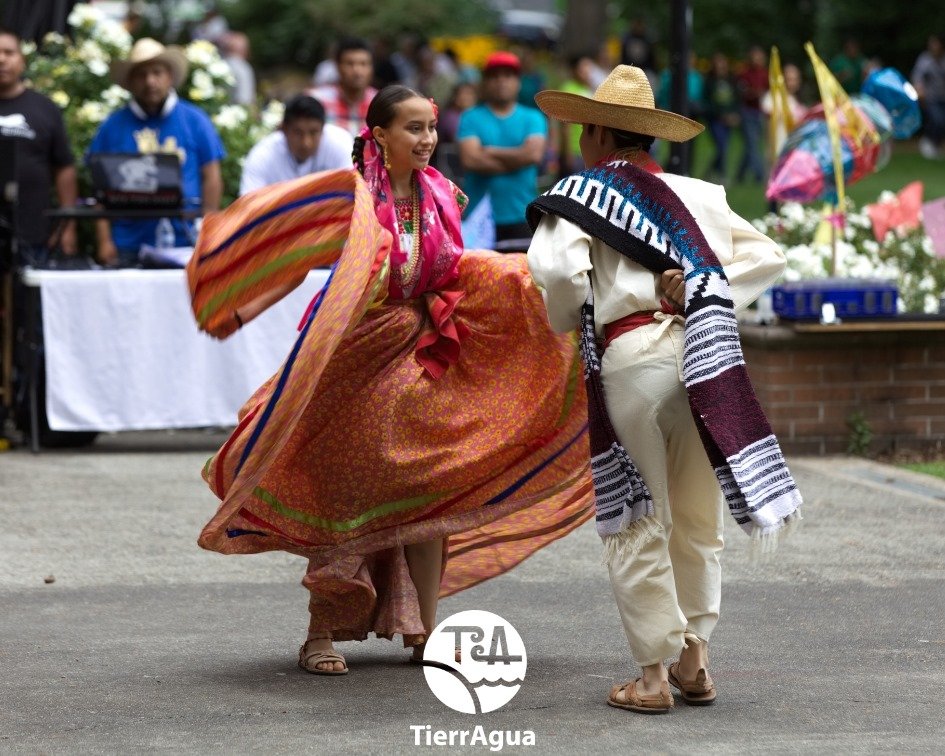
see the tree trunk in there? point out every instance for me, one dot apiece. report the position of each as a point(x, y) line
point(585, 27)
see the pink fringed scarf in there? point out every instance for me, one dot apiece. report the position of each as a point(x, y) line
point(441, 246)
point(441, 241)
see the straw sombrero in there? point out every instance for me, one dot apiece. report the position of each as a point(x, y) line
point(146, 50)
point(624, 101)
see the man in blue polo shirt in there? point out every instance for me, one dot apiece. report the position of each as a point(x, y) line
point(501, 145)
point(156, 120)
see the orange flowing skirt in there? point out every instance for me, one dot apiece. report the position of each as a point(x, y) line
point(352, 450)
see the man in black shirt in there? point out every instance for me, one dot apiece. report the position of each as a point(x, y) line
point(43, 157)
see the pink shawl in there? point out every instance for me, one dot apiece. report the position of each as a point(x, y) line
point(441, 242)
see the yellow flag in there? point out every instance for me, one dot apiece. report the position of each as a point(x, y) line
point(781, 120)
point(823, 234)
point(840, 113)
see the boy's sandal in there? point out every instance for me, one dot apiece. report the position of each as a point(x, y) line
point(308, 661)
point(658, 703)
point(698, 692)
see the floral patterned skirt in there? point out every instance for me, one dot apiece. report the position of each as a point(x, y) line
point(375, 454)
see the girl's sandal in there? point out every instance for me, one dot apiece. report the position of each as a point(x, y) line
point(656, 703)
point(309, 661)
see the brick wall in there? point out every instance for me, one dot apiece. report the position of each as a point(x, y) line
point(810, 379)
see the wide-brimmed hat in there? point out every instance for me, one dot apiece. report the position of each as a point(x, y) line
point(147, 50)
point(624, 101)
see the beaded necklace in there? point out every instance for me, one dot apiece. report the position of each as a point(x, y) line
point(413, 258)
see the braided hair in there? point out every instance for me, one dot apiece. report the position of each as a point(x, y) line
point(381, 112)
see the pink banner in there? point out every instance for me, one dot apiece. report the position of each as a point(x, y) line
point(933, 218)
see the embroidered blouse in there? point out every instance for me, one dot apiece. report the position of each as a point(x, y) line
point(438, 270)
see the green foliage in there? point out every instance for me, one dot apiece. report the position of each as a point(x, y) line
point(893, 32)
point(861, 434)
point(929, 468)
point(299, 32)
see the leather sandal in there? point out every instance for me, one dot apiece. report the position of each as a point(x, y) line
point(308, 661)
point(698, 692)
point(657, 703)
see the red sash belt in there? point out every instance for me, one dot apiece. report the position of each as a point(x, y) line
point(632, 321)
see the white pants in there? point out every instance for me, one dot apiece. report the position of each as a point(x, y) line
point(671, 585)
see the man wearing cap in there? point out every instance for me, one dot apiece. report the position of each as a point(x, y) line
point(655, 265)
point(501, 145)
point(157, 120)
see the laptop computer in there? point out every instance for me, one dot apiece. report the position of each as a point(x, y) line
point(136, 181)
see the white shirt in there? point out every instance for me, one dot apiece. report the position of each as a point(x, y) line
point(564, 260)
point(270, 160)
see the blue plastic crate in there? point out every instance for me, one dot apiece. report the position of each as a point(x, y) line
point(852, 298)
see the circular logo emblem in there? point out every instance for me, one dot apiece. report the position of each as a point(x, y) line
point(492, 661)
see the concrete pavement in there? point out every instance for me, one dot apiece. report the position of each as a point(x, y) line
point(144, 643)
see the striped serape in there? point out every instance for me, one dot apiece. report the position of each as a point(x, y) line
point(641, 217)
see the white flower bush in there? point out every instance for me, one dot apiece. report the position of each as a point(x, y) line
point(230, 117)
point(906, 258)
point(272, 115)
point(74, 74)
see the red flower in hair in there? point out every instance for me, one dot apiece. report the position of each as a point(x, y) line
point(436, 110)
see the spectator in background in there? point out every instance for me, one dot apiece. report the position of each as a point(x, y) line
point(695, 93)
point(570, 160)
point(235, 49)
point(752, 85)
point(436, 76)
point(42, 161)
point(446, 156)
point(346, 103)
point(44, 158)
point(303, 144)
point(721, 102)
point(501, 145)
point(531, 78)
point(792, 83)
point(463, 97)
point(849, 66)
point(212, 27)
point(466, 73)
point(928, 78)
point(326, 72)
point(637, 49)
point(404, 60)
point(134, 18)
point(695, 90)
point(157, 120)
point(385, 72)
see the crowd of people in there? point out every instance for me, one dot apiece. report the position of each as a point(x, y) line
point(492, 140)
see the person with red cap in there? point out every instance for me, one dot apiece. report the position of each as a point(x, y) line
point(501, 145)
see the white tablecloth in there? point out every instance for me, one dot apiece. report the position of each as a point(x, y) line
point(123, 351)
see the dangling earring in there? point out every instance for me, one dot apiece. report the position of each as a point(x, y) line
point(386, 159)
